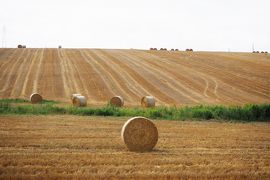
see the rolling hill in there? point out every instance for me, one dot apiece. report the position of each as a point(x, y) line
point(173, 78)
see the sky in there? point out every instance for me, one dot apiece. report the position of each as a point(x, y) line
point(203, 25)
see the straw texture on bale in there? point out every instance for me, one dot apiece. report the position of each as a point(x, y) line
point(74, 95)
point(35, 98)
point(139, 134)
point(117, 101)
point(148, 101)
point(79, 101)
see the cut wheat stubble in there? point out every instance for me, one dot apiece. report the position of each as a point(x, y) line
point(139, 134)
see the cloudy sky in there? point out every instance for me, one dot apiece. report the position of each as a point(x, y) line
point(211, 25)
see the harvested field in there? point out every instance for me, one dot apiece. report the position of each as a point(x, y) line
point(71, 146)
point(173, 78)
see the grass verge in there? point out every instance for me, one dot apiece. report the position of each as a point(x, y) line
point(247, 113)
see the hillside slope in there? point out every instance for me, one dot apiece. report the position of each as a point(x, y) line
point(180, 78)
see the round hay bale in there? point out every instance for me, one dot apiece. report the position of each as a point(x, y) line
point(176, 49)
point(79, 101)
point(74, 95)
point(172, 49)
point(35, 98)
point(20, 46)
point(117, 101)
point(139, 134)
point(148, 101)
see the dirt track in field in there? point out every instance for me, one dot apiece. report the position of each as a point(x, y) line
point(172, 77)
point(72, 146)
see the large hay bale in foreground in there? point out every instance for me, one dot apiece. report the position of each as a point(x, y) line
point(139, 134)
point(35, 98)
point(117, 101)
point(79, 101)
point(148, 101)
point(74, 95)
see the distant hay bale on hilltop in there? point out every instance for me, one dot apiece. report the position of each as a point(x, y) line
point(20, 46)
point(148, 101)
point(79, 101)
point(139, 134)
point(163, 49)
point(176, 50)
point(35, 98)
point(172, 49)
point(117, 101)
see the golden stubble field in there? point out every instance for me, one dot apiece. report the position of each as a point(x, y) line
point(173, 78)
point(91, 147)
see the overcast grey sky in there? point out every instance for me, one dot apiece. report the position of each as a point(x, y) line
point(215, 25)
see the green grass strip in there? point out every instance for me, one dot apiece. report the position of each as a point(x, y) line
point(247, 113)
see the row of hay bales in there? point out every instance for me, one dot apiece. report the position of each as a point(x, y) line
point(118, 101)
point(165, 49)
point(139, 134)
point(81, 101)
point(21, 46)
point(263, 52)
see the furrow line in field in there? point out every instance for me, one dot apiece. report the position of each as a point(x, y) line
point(229, 79)
point(173, 87)
point(64, 74)
point(21, 74)
point(226, 66)
point(116, 78)
point(154, 90)
point(93, 79)
point(129, 81)
point(179, 62)
point(27, 76)
point(38, 71)
point(168, 71)
point(8, 73)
